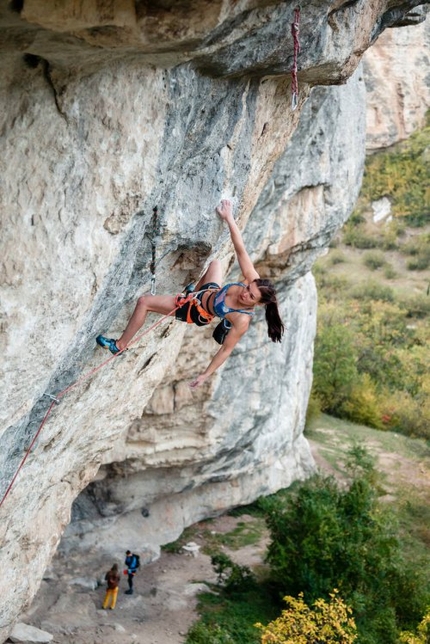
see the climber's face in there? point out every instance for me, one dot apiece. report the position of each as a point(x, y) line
point(250, 295)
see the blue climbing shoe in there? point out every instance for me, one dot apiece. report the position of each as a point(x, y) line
point(107, 344)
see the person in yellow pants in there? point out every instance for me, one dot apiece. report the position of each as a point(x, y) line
point(112, 580)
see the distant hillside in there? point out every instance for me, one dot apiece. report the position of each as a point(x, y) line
point(372, 349)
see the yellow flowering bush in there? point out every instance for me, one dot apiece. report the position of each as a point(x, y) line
point(422, 635)
point(323, 623)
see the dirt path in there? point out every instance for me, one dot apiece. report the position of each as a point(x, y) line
point(161, 610)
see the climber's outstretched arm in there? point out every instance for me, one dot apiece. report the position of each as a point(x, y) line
point(239, 327)
point(225, 211)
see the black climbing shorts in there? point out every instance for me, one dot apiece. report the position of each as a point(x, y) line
point(193, 311)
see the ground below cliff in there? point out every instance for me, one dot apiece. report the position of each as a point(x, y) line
point(163, 606)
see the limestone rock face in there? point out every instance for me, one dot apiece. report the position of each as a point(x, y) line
point(397, 77)
point(108, 110)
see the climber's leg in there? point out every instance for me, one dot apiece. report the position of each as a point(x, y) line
point(163, 304)
point(213, 274)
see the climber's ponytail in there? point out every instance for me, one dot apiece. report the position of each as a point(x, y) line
point(275, 327)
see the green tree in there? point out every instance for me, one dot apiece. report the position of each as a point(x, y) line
point(325, 537)
point(335, 367)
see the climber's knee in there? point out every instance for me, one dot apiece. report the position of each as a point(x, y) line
point(142, 302)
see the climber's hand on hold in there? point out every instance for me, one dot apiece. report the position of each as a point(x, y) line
point(225, 209)
point(198, 381)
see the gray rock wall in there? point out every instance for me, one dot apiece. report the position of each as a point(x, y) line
point(108, 111)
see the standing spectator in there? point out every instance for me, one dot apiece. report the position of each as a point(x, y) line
point(112, 579)
point(132, 562)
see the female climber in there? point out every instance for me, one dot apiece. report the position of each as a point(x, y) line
point(234, 303)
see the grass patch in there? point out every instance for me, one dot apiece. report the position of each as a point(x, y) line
point(372, 290)
point(229, 618)
point(192, 533)
point(328, 431)
point(337, 257)
point(374, 260)
point(246, 533)
point(389, 272)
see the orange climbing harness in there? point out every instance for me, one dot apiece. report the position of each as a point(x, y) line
point(56, 399)
point(194, 313)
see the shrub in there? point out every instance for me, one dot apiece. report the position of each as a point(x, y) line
point(419, 263)
point(230, 574)
point(422, 635)
point(389, 237)
point(336, 258)
point(416, 306)
point(410, 248)
point(313, 410)
point(374, 260)
point(228, 617)
point(333, 285)
point(389, 272)
point(334, 366)
point(324, 537)
point(357, 238)
point(328, 622)
point(408, 414)
point(356, 218)
point(373, 291)
point(362, 406)
point(202, 633)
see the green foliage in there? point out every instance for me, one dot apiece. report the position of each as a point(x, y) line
point(372, 290)
point(337, 258)
point(228, 617)
point(230, 574)
point(422, 635)
point(389, 272)
point(408, 413)
point(175, 547)
point(374, 260)
point(419, 249)
point(334, 366)
point(313, 410)
point(369, 360)
point(202, 633)
point(402, 174)
point(363, 405)
point(356, 218)
point(323, 537)
point(325, 623)
point(416, 306)
point(358, 238)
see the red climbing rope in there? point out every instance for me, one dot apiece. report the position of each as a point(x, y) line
point(55, 399)
point(27, 452)
point(295, 31)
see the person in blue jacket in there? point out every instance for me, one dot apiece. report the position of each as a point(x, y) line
point(132, 562)
point(233, 303)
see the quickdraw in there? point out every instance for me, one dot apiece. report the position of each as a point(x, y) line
point(295, 31)
point(153, 249)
